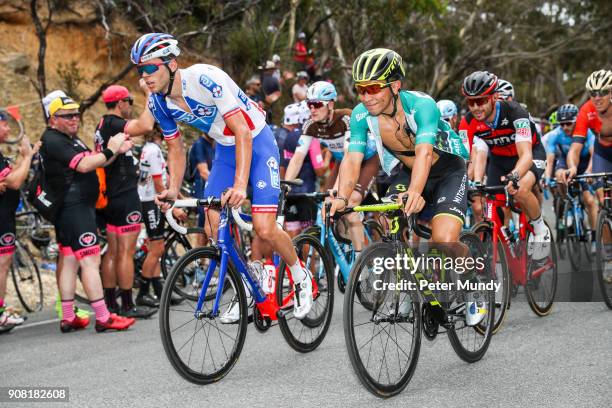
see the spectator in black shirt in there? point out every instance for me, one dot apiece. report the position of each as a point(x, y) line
point(271, 88)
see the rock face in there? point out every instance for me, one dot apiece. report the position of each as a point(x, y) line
point(18, 63)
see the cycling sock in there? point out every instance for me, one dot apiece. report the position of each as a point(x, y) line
point(144, 287)
point(357, 254)
point(101, 311)
point(538, 225)
point(111, 298)
point(68, 310)
point(157, 286)
point(297, 272)
point(126, 299)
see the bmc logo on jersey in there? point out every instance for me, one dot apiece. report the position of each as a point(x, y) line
point(211, 85)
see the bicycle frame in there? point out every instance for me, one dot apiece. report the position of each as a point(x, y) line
point(517, 263)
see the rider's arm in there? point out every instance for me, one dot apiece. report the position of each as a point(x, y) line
point(550, 160)
point(19, 173)
point(296, 162)
point(142, 124)
point(480, 165)
point(426, 118)
point(524, 146)
point(176, 162)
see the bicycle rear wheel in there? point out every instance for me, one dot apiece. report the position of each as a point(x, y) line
point(541, 285)
point(26, 278)
point(306, 334)
point(500, 274)
point(604, 255)
point(383, 342)
point(471, 342)
point(200, 348)
point(573, 246)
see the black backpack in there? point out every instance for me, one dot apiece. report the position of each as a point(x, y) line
point(42, 197)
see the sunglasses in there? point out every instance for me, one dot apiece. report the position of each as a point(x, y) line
point(316, 104)
point(371, 89)
point(128, 100)
point(566, 124)
point(595, 94)
point(479, 101)
point(149, 68)
point(68, 116)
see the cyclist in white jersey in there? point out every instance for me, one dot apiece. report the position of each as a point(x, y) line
point(205, 97)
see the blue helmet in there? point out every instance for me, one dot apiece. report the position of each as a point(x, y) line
point(321, 91)
point(567, 113)
point(3, 115)
point(447, 108)
point(154, 45)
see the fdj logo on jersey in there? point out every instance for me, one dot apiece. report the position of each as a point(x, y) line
point(274, 174)
point(215, 89)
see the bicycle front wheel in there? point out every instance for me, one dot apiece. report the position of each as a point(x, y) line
point(306, 334)
point(471, 342)
point(604, 256)
point(541, 285)
point(383, 339)
point(26, 278)
point(201, 348)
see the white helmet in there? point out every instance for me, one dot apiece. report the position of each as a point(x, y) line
point(154, 45)
point(447, 108)
point(50, 97)
point(321, 91)
point(599, 81)
point(292, 114)
point(505, 89)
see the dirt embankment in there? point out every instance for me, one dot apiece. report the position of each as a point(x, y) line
point(77, 43)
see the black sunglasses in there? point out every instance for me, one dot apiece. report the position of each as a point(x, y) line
point(128, 100)
point(68, 116)
point(595, 94)
point(564, 124)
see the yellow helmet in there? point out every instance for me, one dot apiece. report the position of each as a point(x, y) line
point(379, 64)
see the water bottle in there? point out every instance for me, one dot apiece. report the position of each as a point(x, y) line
point(256, 270)
point(268, 278)
point(509, 238)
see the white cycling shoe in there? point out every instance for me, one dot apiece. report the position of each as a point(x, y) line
point(539, 245)
point(232, 314)
point(302, 296)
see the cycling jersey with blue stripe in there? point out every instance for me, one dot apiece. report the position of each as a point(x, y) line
point(557, 138)
point(212, 97)
point(423, 120)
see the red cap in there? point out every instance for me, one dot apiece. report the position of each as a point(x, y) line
point(115, 93)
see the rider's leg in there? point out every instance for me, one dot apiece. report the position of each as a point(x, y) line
point(355, 224)
point(592, 208)
point(109, 277)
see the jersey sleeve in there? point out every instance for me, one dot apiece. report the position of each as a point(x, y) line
point(359, 130)
point(155, 161)
point(551, 141)
point(582, 124)
point(303, 144)
point(217, 88)
point(167, 124)
point(522, 130)
point(465, 132)
point(426, 117)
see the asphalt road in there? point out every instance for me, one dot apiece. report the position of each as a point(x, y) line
point(562, 360)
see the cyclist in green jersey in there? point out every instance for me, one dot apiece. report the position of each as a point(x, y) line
point(407, 128)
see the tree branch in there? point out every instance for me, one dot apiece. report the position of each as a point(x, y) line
point(93, 98)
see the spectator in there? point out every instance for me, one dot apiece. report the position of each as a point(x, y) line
point(276, 59)
point(11, 179)
point(122, 213)
point(271, 88)
point(201, 157)
point(70, 168)
point(300, 51)
point(253, 90)
point(300, 87)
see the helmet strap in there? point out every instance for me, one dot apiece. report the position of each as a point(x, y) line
point(395, 95)
point(171, 82)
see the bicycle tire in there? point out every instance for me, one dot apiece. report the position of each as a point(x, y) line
point(319, 324)
point(457, 337)
point(26, 278)
point(530, 287)
point(484, 231)
point(350, 312)
point(167, 333)
point(572, 240)
point(603, 221)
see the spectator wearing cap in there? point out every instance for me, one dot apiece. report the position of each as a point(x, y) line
point(49, 98)
point(122, 212)
point(271, 88)
point(70, 173)
point(300, 87)
point(300, 51)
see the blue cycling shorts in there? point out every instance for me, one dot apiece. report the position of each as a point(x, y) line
point(264, 176)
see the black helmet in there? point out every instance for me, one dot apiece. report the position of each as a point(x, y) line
point(379, 64)
point(567, 113)
point(479, 83)
point(40, 239)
